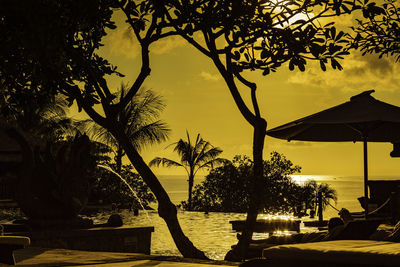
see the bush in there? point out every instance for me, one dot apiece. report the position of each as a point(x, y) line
point(227, 188)
point(108, 189)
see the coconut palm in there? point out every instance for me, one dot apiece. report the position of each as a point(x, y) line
point(328, 194)
point(140, 121)
point(44, 119)
point(193, 157)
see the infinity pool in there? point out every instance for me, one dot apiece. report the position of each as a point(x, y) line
point(211, 233)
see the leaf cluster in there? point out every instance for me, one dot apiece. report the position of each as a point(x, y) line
point(260, 34)
point(193, 156)
point(379, 31)
point(228, 188)
point(139, 118)
point(60, 178)
point(47, 46)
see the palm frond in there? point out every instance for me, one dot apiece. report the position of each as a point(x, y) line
point(164, 162)
point(152, 133)
point(138, 118)
point(98, 133)
point(213, 163)
point(208, 153)
point(183, 149)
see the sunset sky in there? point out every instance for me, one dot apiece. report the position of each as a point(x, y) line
point(199, 101)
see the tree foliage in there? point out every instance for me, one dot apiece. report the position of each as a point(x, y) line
point(262, 35)
point(43, 122)
point(108, 188)
point(54, 183)
point(241, 36)
point(51, 44)
point(44, 54)
point(140, 118)
point(51, 47)
point(228, 188)
point(193, 157)
point(379, 30)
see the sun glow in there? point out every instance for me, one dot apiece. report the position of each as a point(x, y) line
point(283, 18)
point(300, 179)
point(275, 217)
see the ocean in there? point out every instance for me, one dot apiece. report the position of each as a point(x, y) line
point(348, 188)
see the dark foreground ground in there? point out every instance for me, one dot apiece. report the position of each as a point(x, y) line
point(34, 256)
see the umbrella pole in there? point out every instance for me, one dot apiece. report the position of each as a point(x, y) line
point(366, 177)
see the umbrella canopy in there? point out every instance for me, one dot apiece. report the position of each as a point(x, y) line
point(363, 118)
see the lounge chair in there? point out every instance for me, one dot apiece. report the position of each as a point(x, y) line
point(350, 248)
point(335, 253)
point(10, 243)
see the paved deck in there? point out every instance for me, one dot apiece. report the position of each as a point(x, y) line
point(34, 256)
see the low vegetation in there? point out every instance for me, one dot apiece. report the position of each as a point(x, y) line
point(228, 188)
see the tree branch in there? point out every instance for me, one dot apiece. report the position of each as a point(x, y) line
point(253, 88)
point(74, 91)
point(144, 72)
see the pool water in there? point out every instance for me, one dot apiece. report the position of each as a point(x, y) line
point(211, 233)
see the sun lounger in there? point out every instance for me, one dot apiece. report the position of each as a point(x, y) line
point(7, 246)
point(350, 247)
point(335, 253)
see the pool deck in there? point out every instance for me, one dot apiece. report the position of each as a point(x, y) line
point(34, 256)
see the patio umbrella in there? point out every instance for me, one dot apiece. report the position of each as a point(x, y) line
point(363, 119)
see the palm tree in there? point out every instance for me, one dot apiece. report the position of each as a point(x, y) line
point(192, 158)
point(43, 118)
point(140, 121)
point(328, 194)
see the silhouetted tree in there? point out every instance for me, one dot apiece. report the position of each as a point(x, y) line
point(310, 194)
point(43, 120)
point(46, 55)
point(193, 157)
point(228, 188)
point(141, 124)
point(328, 194)
point(257, 35)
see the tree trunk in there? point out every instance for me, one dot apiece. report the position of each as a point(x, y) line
point(240, 251)
point(191, 181)
point(166, 209)
point(118, 159)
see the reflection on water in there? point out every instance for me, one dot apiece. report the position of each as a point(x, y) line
point(211, 233)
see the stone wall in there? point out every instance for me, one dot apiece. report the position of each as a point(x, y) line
point(112, 239)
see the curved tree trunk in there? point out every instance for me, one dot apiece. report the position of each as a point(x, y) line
point(240, 251)
point(166, 209)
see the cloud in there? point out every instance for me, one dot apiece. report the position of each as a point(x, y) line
point(209, 77)
point(164, 46)
point(279, 144)
point(123, 43)
point(359, 72)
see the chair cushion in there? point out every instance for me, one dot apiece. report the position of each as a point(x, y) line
point(363, 252)
point(15, 240)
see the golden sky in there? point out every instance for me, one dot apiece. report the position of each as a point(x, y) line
point(199, 101)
